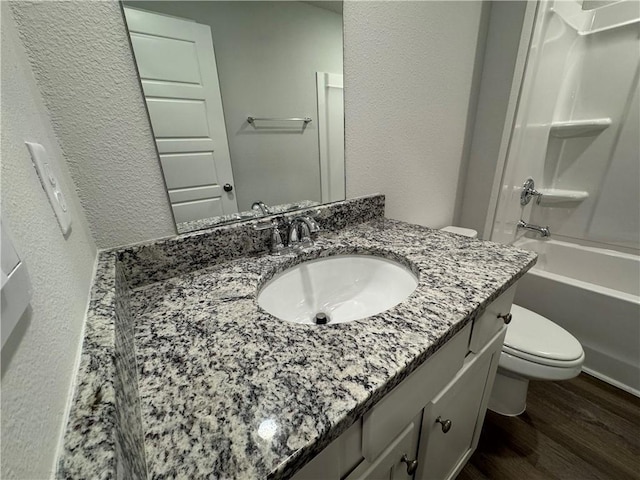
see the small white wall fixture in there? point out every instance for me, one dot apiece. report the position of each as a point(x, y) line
point(16, 287)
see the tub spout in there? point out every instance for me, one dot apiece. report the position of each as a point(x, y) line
point(543, 231)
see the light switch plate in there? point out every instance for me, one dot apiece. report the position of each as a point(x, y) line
point(51, 185)
point(16, 289)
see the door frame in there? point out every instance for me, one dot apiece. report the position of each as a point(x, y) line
point(324, 81)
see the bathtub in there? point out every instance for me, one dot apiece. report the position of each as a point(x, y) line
point(594, 294)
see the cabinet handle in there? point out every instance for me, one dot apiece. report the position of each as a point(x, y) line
point(412, 465)
point(446, 424)
point(506, 317)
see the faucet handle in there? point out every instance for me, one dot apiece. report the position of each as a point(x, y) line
point(294, 237)
point(305, 235)
point(277, 245)
point(313, 225)
point(529, 191)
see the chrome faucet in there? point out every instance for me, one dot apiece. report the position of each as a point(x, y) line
point(276, 246)
point(300, 230)
point(260, 206)
point(543, 231)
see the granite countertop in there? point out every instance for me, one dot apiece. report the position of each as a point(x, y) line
point(228, 391)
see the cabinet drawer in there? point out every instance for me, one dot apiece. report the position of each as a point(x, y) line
point(488, 323)
point(391, 414)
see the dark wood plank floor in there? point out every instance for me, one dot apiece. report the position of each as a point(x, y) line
point(578, 429)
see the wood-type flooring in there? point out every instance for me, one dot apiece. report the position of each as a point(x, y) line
point(579, 429)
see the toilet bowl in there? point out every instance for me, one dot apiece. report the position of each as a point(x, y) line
point(534, 348)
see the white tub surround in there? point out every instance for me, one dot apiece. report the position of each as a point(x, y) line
point(576, 135)
point(593, 293)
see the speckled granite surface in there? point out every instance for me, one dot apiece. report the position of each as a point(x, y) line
point(130, 452)
point(104, 437)
point(195, 225)
point(150, 262)
point(90, 435)
point(228, 391)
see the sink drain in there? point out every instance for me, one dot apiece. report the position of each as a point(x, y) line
point(321, 318)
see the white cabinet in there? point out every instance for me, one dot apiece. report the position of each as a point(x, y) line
point(393, 413)
point(389, 464)
point(453, 420)
point(434, 417)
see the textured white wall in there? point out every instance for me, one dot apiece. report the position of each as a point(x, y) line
point(81, 58)
point(39, 358)
point(409, 69)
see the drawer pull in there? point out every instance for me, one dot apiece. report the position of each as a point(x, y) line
point(506, 317)
point(446, 424)
point(412, 465)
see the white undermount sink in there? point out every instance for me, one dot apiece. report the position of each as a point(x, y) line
point(343, 287)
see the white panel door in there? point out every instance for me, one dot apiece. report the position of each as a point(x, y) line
point(177, 66)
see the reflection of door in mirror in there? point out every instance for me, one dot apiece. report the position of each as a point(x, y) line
point(177, 68)
point(277, 70)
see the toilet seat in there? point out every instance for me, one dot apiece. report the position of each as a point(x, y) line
point(542, 360)
point(534, 338)
point(537, 371)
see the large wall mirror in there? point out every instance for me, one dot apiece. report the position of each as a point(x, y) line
point(245, 101)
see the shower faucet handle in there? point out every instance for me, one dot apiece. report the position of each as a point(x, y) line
point(529, 191)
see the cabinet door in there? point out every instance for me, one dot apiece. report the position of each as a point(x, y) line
point(388, 465)
point(458, 404)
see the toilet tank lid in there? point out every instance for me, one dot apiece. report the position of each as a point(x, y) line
point(467, 232)
point(536, 335)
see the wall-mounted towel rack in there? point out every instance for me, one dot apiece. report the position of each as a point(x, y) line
point(251, 119)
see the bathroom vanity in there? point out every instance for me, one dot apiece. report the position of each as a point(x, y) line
point(428, 426)
point(206, 383)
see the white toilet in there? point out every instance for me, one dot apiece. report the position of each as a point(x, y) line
point(534, 348)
